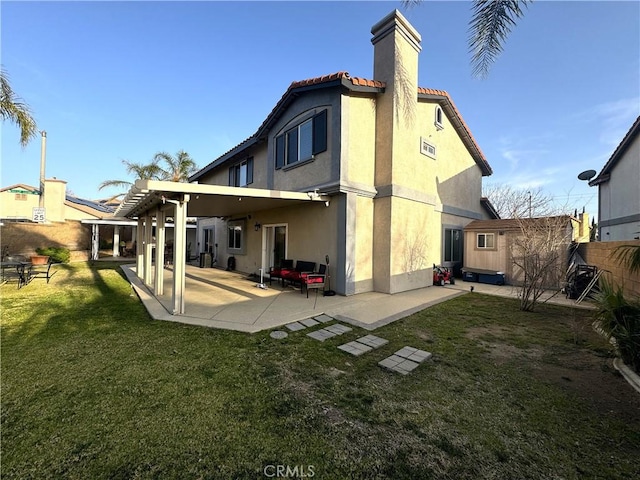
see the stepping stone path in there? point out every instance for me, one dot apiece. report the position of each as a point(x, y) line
point(363, 344)
point(308, 322)
point(278, 334)
point(405, 360)
point(328, 332)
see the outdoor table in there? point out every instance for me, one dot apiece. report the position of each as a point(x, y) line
point(22, 271)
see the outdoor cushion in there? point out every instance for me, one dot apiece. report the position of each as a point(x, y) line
point(314, 279)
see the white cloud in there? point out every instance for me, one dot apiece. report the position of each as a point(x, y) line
point(613, 118)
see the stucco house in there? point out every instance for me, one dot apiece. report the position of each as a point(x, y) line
point(18, 201)
point(380, 175)
point(619, 190)
point(70, 221)
point(399, 164)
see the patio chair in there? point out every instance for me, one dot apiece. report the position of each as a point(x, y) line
point(278, 272)
point(129, 249)
point(314, 281)
point(39, 271)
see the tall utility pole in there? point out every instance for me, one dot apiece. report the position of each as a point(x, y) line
point(43, 155)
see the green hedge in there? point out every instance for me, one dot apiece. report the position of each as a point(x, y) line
point(57, 254)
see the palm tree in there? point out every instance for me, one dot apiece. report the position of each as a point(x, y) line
point(150, 171)
point(16, 111)
point(179, 168)
point(491, 23)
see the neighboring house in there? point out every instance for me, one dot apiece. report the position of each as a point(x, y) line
point(18, 201)
point(400, 169)
point(498, 245)
point(619, 190)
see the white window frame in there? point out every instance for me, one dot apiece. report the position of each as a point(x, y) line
point(308, 124)
point(427, 148)
point(238, 227)
point(439, 115)
point(485, 245)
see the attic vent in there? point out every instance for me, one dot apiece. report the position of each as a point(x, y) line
point(427, 148)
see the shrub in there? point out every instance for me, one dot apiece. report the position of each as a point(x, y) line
point(619, 318)
point(57, 254)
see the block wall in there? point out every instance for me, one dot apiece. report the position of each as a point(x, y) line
point(600, 254)
point(24, 238)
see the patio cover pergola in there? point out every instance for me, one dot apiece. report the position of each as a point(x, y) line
point(149, 199)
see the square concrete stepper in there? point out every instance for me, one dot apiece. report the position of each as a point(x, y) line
point(413, 354)
point(295, 326)
point(372, 341)
point(328, 332)
point(355, 348)
point(405, 360)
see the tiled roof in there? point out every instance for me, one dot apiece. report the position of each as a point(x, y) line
point(362, 82)
point(348, 81)
point(633, 132)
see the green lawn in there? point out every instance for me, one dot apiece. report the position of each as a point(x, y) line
point(92, 388)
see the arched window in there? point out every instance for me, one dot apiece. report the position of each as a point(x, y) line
point(438, 121)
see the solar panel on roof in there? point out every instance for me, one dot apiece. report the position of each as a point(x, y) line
point(89, 203)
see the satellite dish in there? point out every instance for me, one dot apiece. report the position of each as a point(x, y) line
point(587, 175)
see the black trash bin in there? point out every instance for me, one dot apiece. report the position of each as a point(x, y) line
point(231, 264)
point(205, 260)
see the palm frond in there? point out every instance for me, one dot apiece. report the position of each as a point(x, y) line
point(115, 183)
point(179, 168)
point(489, 27)
point(407, 4)
point(628, 255)
point(12, 108)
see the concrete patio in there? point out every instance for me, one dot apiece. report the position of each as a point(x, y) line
point(230, 300)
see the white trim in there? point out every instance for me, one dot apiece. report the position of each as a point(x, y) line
point(427, 148)
point(265, 243)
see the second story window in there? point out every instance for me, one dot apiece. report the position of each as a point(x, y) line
point(303, 141)
point(241, 174)
point(438, 119)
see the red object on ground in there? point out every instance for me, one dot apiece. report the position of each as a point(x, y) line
point(442, 276)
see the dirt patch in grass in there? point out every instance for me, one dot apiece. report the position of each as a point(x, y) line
point(586, 373)
point(500, 352)
point(594, 380)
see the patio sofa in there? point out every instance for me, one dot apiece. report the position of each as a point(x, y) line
point(286, 272)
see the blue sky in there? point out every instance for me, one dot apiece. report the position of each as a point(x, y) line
point(124, 80)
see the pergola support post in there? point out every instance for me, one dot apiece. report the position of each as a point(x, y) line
point(95, 241)
point(179, 249)
point(139, 248)
point(116, 241)
point(148, 248)
point(160, 245)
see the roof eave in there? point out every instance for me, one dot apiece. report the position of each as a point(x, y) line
point(452, 112)
point(629, 137)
